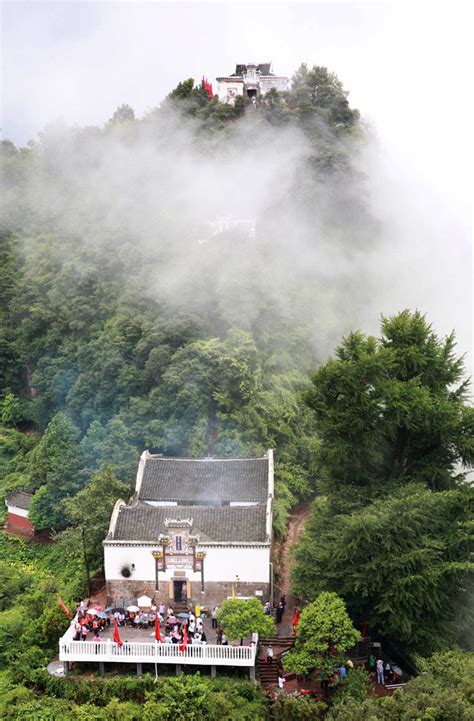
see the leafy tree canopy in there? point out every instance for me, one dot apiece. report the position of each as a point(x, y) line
point(324, 632)
point(442, 692)
point(393, 410)
point(241, 617)
point(401, 564)
point(90, 511)
point(123, 114)
point(56, 472)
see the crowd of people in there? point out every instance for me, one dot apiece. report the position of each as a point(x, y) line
point(89, 621)
point(188, 628)
point(180, 628)
point(384, 671)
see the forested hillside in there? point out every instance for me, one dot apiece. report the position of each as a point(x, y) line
point(130, 321)
point(126, 315)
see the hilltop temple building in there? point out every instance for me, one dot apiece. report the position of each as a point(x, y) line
point(193, 530)
point(251, 80)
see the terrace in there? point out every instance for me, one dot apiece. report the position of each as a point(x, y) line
point(139, 647)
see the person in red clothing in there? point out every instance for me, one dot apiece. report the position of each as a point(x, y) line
point(296, 619)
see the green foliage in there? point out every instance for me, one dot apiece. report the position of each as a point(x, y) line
point(443, 692)
point(402, 563)
point(324, 633)
point(54, 624)
point(393, 410)
point(12, 623)
point(240, 618)
point(109, 445)
point(21, 664)
point(55, 471)
point(297, 708)
point(89, 512)
point(319, 90)
point(32, 621)
point(123, 114)
point(10, 701)
point(129, 699)
point(12, 584)
point(10, 410)
point(356, 687)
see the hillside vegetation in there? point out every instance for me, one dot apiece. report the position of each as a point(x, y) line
point(130, 321)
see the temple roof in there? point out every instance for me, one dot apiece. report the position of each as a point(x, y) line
point(142, 522)
point(204, 481)
point(19, 499)
point(262, 68)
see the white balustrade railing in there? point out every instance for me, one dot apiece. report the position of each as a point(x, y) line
point(136, 652)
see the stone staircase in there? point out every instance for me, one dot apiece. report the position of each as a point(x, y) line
point(267, 673)
point(179, 606)
point(283, 643)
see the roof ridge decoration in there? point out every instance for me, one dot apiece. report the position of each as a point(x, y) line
point(178, 522)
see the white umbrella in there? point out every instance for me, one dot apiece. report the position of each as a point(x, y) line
point(91, 612)
point(144, 601)
point(133, 609)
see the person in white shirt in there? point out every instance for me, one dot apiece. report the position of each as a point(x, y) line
point(281, 682)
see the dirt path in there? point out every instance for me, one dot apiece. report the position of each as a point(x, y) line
point(296, 523)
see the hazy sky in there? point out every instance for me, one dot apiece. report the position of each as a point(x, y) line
point(406, 65)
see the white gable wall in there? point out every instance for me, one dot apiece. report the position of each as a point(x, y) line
point(17, 511)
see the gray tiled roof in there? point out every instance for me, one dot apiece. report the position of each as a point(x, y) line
point(201, 481)
point(20, 499)
point(263, 68)
point(142, 522)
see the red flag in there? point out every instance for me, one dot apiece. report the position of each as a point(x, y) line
point(157, 629)
point(117, 638)
point(206, 85)
point(64, 607)
point(296, 618)
point(185, 639)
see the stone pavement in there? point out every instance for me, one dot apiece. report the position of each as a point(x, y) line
point(147, 635)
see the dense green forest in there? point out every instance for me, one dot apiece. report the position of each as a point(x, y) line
point(127, 323)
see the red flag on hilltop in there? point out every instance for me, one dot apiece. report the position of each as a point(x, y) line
point(117, 638)
point(207, 87)
point(185, 639)
point(64, 607)
point(296, 618)
point(157, 629)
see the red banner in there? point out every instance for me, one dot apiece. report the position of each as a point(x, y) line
point(117, 638)
point(185, 639)
point(64, 607)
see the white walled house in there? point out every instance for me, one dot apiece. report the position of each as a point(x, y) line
point(252, 81)
point(194, 530)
